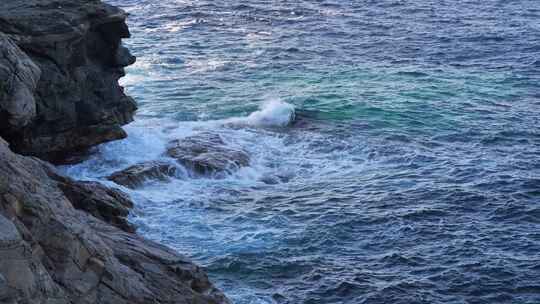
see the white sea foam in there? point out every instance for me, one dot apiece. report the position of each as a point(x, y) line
point(177, 26)
point(147, 140)
point(182, 212)
point(131, 79)
point(205, 65)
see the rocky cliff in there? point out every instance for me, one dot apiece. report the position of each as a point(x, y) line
point(61, 240)
point(60, 62)
point(64, 241)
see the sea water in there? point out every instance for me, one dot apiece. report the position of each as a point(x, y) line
point(395, 146)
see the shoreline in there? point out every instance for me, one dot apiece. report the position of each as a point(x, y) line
point(63, 240)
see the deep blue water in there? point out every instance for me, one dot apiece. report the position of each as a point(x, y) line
point(411, 173)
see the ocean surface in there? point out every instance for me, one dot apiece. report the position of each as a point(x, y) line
point(395, 146)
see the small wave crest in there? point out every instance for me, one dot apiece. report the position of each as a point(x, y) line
point(273, 113)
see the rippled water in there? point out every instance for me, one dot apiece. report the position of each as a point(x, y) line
point(410, 175)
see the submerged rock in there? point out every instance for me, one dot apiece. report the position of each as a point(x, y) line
point(59, 244)
point(135, 176)
point(75, 46)
point(207, 154)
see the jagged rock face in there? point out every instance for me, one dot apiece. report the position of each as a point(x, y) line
point(136, 175)
point(75, 46)
point(207, 154)
point(18, 80)
point(51, 252)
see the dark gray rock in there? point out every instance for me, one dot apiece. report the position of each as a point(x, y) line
point(77, 102)
point(15, 264)
point(110, 205)
point(51, 252)
point(136, 175)
point(6, 293)
point(207, 154)
point(18, 80)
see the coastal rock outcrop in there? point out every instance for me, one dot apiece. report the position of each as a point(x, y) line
point(55, 249)
point(61, 240)
point(207, 154)
point(107, 204)
point(60, 61)
point(136, 175)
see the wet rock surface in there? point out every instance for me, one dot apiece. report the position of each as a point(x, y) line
point(60, 62)
point(136, 175)
point(61, 242)
point(207, 154)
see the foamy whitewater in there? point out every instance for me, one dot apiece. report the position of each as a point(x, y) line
point(273, 113)
point(394, 146)
point(147, 140)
